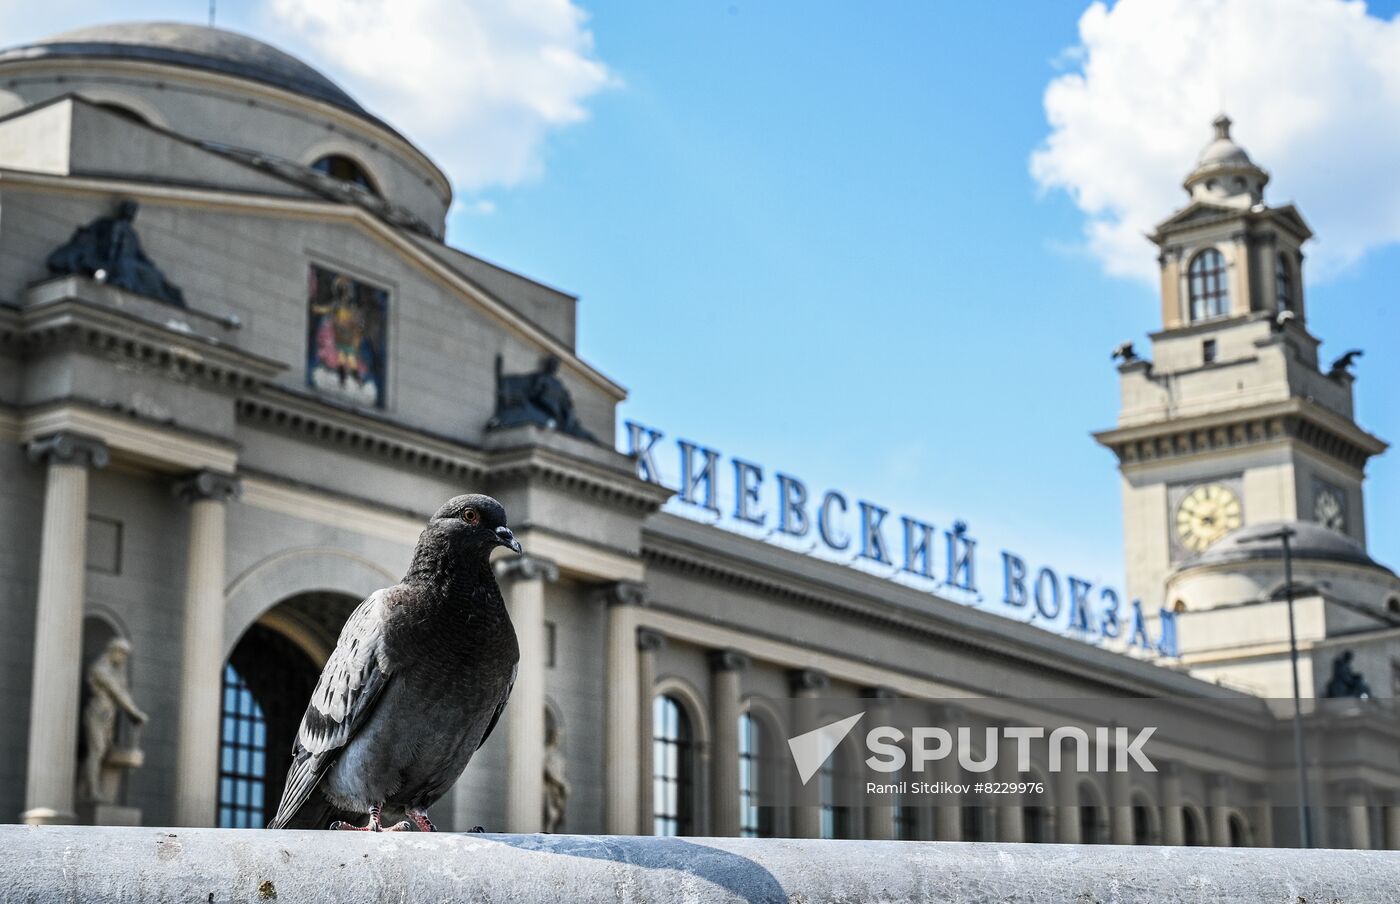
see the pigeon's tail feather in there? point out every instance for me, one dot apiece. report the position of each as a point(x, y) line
point(301, 781)
point(317, 813)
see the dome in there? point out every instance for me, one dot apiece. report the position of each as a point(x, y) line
point(194, 46)
point(1224, 173)
point(1310, 541)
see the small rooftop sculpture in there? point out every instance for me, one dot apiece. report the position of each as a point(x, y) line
point(538, 398)
point(108, 250)
point(1346, 681)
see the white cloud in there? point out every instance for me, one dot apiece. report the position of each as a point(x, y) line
point(477, 84)
point(1313, 87)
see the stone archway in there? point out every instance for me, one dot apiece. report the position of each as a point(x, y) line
point(267, 680)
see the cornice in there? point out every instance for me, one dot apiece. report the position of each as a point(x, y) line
point(73, 321)
point(281, 410)
point(1293, 419)
point(680, 556)
point(579, 477)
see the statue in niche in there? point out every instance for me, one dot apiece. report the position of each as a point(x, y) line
point(556, 786)
point(111, 726)
point(539, 398)
point(1346, 681)
point(108, 250)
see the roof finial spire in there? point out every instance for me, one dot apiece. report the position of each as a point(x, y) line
point(1222, 127)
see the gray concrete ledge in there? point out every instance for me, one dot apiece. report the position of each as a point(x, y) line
point(98, 866)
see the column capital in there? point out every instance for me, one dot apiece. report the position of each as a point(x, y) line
point(1350, 786)
point(1218, 781)
point(808, 680)
point(1170, 769)
point(880, 693)
point(650, 641)
point(207, 486)
point(527, 568)
point(69, 449)
point(728, 660)
point(623, 593)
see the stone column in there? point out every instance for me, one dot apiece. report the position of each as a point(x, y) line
point(1263, 814)
point(525, 578)
point(628, 773)
point(1011, 816)
point(648, 645)
point(1067, 827)
point(807, 685)
point(1358, 818)
point(1173, 820)
point(1120, 800)
point(202, 649)
point(1392, 824)
point(879, 813)
point(1217, 792)
point(58, 626)
point(947, 819)
point(726, 669)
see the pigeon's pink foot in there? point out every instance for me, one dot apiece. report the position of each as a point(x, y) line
point(420, 818)
point(399, 826)
point(373, 825)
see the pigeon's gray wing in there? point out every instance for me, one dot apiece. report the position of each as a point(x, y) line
point(350, 686)
point(500, 708)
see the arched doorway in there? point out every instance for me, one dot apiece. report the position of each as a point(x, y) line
point(268, 680)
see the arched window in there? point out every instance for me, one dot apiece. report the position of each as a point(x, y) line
point(1190, 828)
point(1033, 824)
point(1089, 816)
point(1283, 283)
point(1142, 825)
point(242, 757)
point(123, 111)
point(1239, 836)
point(673, 759)
point(973, 822)
point(755, 768)
point(1210, 293)
point(836, 820)
point(338, 166)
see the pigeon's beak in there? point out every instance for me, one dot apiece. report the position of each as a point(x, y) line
point(507, 539)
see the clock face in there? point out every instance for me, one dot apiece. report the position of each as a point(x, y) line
point(1208, 513)
point(1327, 509)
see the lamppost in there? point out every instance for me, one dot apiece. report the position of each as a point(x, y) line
point(1283, 535)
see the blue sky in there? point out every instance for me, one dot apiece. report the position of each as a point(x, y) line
point(810, 236)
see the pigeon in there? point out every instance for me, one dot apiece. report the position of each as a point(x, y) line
point(417, 681)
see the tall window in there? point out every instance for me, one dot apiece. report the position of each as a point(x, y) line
point(242, 757)
point(973, 822)
point(1283, 283)
point(1088, 816)
point(338, 166)
point(1190, 829)
point(755, 821)
point(1033, 823)
point(836, 820)
point(1210, 294)
point(673, 755)
point(1142, 825)
point(906, 826)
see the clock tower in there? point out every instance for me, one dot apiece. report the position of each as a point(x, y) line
point(1231, 421)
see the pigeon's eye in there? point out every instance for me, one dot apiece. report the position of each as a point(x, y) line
point(470, 516)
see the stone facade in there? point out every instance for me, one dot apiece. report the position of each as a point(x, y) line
point(169, 475)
